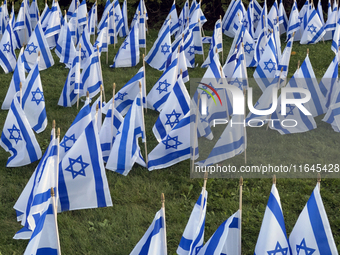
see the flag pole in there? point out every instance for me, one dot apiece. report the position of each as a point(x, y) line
point(144, 88)
point(199, 24)
point(145, 146)
point(240, 208)
point(107, 38)
point(221, 38)
point(319, 181)
point(195, 134)
point(57, 168)
point(55, 221)
point(200, 19)
point(100, 69)
point(79, 73)
point(274, 179)
point(145, 28)
point(20, 95)
point(245, 128)
point(164, 223)
point(113, 108)
point(96, 116)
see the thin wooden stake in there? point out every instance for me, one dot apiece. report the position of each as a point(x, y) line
point(245, 129)
point(79, 75)
point(274, 179)
point(319, 181)
point(55, 219)
point(240, 208)
point(144, 87)
point(195, 134)
point(100, 69)
point(113, 109)
point(145, 146)
point(53, 129)
point(164, 223)
point(57, 168)
point(199, 24)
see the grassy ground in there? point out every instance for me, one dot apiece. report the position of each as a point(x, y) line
point(136, 198)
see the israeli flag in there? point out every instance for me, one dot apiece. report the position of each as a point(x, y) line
point(232, 21)
point(193, 235)
point(103, 20)
point(336, 38)
point(294, 23)
point(33, 100)
point(91, 76)
point(108, 131)
point(189, 47)
point(263, 22)
point(284, 62)
point(273, 237)
point(265, 71)
point(22, 28)
point(128, 53)
point(175, 108)
point(73, 7)
point(226, 239)
point(82, 13)
point(44, 15)
point(18, 138)
point(306, 79)
point(314, 31)
point(82, 177)
point(53, 26)
point(117, 16)
point(273, 15)
point(102, 40)
point(283, 20)
point(303, 16)
point(232, 142)
point(216, 44)
point(231, 62)
point(183, 18)
point(140, 9)
point(320, 12)
point(175, 146)
point(77, 127)
point(65, 49)
point(37, 43)
point(173, 18)
point(34, 13)
point(248, 19)
point(154, 239)
point(329, 82)
point(8, 59)
point(160, 50)
point(92, 18)
point(312, 232)
point(196, 30)
point(86, 47)
point(240, 77)
point(127, 94)
point(161, 90)
point(68, 96)
point(261, 44)
point(125, 150)
point(333, 113)
point(331, 19)
point(125, 27)
point(45, 236)
point(14, 86)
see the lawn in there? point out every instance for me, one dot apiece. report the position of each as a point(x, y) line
point(136, 198)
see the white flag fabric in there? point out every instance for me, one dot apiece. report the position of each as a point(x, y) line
point(175, 147)
point(128, 53)
point(273, 237)
point(33, 100)
point(160, 50)
point(312, 232)
point(91, 76)
point(34, 13)
point(22, 28)
point(102, 40)
point(153, 241)
point(18, 138)
point(8, 59)
point(53, 26)
point(161, 90)
point(183, 18)
point(283, 20)
point(284, 62)
point(175, 108)
point(193, 235)
point(82, 177)
point(81, 13)
point(329, 82)
point(92, 18)
point(72, 8)
point(18, 76)
point(37, 43)
point(226, 239)
point(125, 27)
point(294, 23)
point(232, 18)
point(125, 150)
point(314, 30)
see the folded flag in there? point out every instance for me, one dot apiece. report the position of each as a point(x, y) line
point(18, 138)
point(82, 178)
point(154, 239)
point(8, 59)
point(312, 232)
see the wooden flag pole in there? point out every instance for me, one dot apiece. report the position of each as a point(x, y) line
point(57, 167)
point(195, 134)
point(274, 179)
point(145, 145)
point(319, 181)
point(113, 109)
point(96, 116)
point(245, 128)
point(144, 87)
point(55, 219)
point(203, 192)
point(240, 208)
point(164, 223)
point(107, 38)
point(100, 69)
point(20, 93)
point(222, 38)
point(53, 129)
point(79, 73)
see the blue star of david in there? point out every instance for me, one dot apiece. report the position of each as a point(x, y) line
point(191, 50)
point(121, 96)
point(248, 47)
point(165, 48)
point(262, 50)
point(173, 144)
point(72, 169)
point(40, 98)
point(135, 17)
point(15, 138)
point(116, 17)
point(83, 54)
point(278, 250)
point(124, 45)
point(239, 83)
point(300, 18)
point(203, 92)
point(302, 246)
point(7, 47)
point(291, 109)
point(165, 87)
point(170, 116)
point(205, 118)
point(180, 22)
point(275, 21)
point(311, 29)
point(269, 63)
point(31, 48)
point(256, 17)
point(71, 138)
point(245, 23)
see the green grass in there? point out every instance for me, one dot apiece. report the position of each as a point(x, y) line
point(136, 198)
